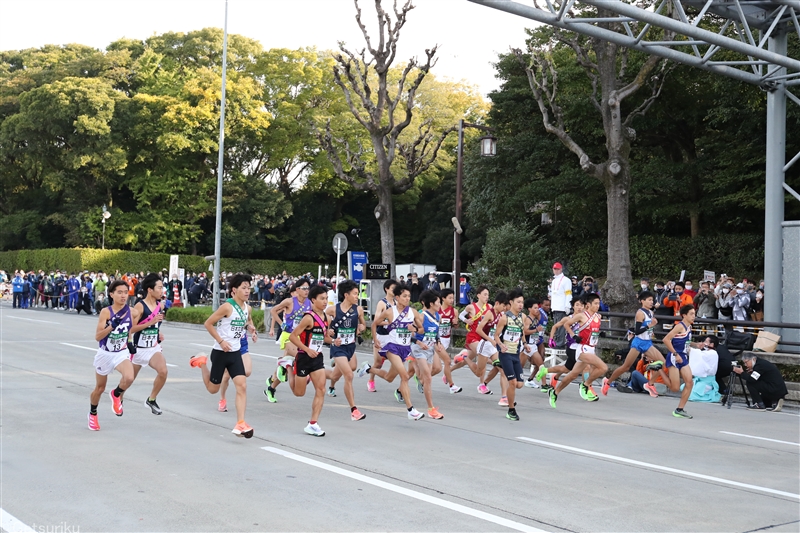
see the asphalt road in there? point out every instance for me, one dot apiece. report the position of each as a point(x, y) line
point(620, 464)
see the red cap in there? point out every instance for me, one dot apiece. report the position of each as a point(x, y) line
point(557, 265)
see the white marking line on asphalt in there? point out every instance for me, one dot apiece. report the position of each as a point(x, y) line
point(32, 319)
point(760, 438)
point(517, 526)
point(251, 353)
point(11, 524)
point(661, 468)
point(93, 350)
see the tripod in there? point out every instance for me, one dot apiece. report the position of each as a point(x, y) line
point(729, 397)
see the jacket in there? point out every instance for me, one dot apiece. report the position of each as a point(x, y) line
point(767, 378)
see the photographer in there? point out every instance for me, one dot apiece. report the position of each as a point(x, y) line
point(724, 362)
point(764, 381)
point(677, 298)
point(706, 301)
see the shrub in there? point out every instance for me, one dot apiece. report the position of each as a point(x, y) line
point(198, 315)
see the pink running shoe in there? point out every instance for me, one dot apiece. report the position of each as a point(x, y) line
point(116, 403)
point(503, 401)
point(483, 389)
point(461, 356)
point(604, 388)
point(356, 415)
point(444, 380)
point(554, 381)
point(651, 389)
point(94, 425)
point(223, 406)
point(371, 386)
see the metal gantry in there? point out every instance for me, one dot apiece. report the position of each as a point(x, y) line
point(755, 30)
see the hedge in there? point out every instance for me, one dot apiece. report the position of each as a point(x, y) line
point(198, 315)
point(79, 259)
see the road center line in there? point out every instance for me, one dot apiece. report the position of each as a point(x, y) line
point(11, 524)
point(32, 319)
point(760, 438)
point(517, 526)
point(661, 468)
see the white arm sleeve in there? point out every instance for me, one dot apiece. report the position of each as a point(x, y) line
point(463, 315)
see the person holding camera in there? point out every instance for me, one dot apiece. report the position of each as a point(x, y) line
point(706, 301)
point(677, 298)
point(764, 382)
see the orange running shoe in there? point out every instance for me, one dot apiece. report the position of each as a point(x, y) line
point(223, 406)
point(242, 430)
point(554, 381)
point(197, 360)
point(435, 414)
point(116, 403)
point(357, 415)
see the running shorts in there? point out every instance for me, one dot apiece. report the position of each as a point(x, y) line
point(512, 367)
point(283, 339)
point(222, 361)
point(473, 337)
point(143, 355)
point(641, 345)
point(582, 349)
point(105, 362)
point(304, 365)
point(670, 361)
point(570, 362)
point(346, 350)
point(445, 342)
point(398, 349)
point(384, 340)
point(486, 349)
point(244, 347)
point(419, 353)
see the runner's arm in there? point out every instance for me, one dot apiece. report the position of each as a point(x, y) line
point(481, 325)
point(294, 337)
point(668, 339)
point(386, 315)
point(103, 327)
point(362, 324)
point(498, 343)
point(275, 310)
point(529, 330)
point(224, 310)
point(466, 314)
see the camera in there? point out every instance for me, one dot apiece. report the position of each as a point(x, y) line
point(673, 297)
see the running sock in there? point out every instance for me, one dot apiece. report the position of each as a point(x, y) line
point(353, 409)
point(93, 410)
point(272, 390)
point(241, 421)
point(118, 391)
point(410, 408)
point(150, 400)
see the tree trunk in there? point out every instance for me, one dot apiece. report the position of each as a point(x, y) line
point(385, 216)
point(618, 292)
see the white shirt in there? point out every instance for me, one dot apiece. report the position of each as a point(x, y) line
point(560, 293)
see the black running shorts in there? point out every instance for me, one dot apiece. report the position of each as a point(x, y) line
point(222, 361)
point(305, 365)
point(570, 362)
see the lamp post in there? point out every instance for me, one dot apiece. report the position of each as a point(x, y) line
point(488, 149)
point(106, 216)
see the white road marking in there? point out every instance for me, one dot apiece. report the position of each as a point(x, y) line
point(661, 468)
point(760, 438)
point(32, 319)
point(517, 526)
point(174, 366)
point(81, 347)
point(11, 524)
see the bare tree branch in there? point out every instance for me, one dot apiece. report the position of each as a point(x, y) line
point(657, 85)
point(362, 180)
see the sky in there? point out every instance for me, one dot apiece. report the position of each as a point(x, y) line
point(469, 36)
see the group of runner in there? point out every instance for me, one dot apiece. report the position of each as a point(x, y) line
point(414, 343)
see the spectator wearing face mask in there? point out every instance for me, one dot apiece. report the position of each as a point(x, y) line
point(706, 301)
point(689, 288)
point(741, 303)
point(677, 298)
point(724, 301)
point(644, 285)
point(757, 306)
point(432, 284)
point(764, 382)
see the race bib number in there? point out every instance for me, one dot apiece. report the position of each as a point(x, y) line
point(317, 341)
point(429, 337)
point(512, 335)
point(404, 336)
point(445, 327)
point(347, 335)
point(594, 338)
point(117, 341)
point(296, 321)
point(491, 333)
point(148, 338)
point(238, 328)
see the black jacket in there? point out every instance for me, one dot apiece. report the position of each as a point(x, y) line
point(769, 378)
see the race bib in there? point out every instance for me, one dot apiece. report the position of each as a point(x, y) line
point(404, 336)
point(594, 338)
point(117, 341)
point(148, 337)
point(491, 333)
point(512, 334)
point(317, 341)
point(238, 327)
point(296, 321)
point(347, 335)
point(444, 328)
point(429, 337)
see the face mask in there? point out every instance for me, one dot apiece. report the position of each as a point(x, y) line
point(689, 287)
point(431, 279)
point(725, 291)
point(644, 287)
point(759, 295)
point(739, 291)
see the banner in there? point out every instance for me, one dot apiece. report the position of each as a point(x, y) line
point(173, 266)
point(709, 275)
point(356, 265)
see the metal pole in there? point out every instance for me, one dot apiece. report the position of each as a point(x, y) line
point(774, 198)
point(459, 186)
point(218, 230)
point(104, 233)
point(338, 259)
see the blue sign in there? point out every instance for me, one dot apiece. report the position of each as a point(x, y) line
point(357, 263)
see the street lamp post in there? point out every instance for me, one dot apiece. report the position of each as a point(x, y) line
point(106, 216)
point(488, 149)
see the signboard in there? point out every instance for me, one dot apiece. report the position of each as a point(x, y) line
point(356, 265)
point(340, 243)
point(683, 275)
point(173, 265)
point(709, 275)
point(379, 271)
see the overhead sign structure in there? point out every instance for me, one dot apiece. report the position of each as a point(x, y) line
point(379, 271)
point(357, 264)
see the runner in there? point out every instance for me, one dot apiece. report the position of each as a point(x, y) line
point(231, 325)
point(244, 349)
point(309, 336)
point(572, 342)
point(508, 339)
point(677, 363)
point(379, 355)
point(403, 321)
point(113, 327)
point(147, 337)
point(588, 333)
point(472, 316)
point(533, 350)
point(645, 323)
point(448, 320)
point(292, 310)
point(424, 349)
point(346, 323)
point(484, 344)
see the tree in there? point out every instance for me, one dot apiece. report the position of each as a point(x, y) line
point(606, 64)
point(396, 160)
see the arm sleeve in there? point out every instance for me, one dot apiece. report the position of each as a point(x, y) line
point(463, 315)
point(639, 328)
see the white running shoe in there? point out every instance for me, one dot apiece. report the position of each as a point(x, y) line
point(531, 383)
point(363, 370)
point(314, 429)
point(413, 414)
point(455, 389)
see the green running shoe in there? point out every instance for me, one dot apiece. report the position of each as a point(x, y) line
point(680, 413)
point(546, 389)
point(584, 392)
point(497, 363)
point(541, 373)
point(420, 388)
point(553, 398)
point(398, 396)
point(270, 394)
point(512, 415)
point(590, 394)
point(282, 374)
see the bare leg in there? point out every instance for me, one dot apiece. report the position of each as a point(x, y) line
point(400, 369)
point(99, 388)
point(318, 379)
point(424, 375)
point(159, 364)
point(688, 382)
point(240, 382)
